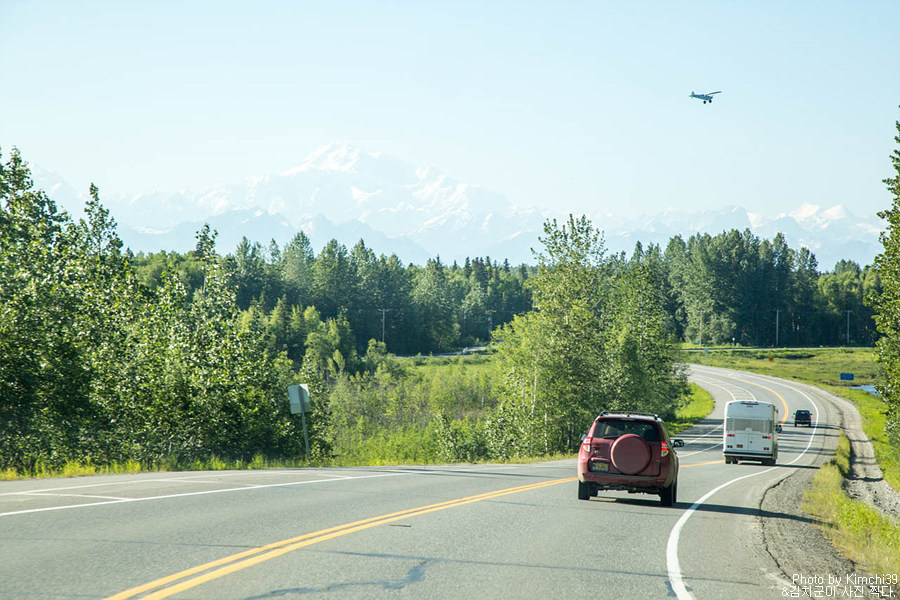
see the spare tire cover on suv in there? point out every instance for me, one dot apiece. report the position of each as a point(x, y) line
point(630, 454)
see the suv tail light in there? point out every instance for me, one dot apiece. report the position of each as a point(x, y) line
point(586, 445)
point(663, 448)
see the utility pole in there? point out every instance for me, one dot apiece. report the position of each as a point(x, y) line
point(490, 322)
point(701, 328)
point(848, 326)
point(383, 312)
point(777, 314)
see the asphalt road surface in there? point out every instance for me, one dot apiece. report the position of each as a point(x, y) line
point(457, 531)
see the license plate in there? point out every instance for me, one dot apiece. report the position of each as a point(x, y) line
point(601, 466)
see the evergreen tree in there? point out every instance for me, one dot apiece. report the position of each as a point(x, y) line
point(296, 265)
point(334, 285)
point(435, 312)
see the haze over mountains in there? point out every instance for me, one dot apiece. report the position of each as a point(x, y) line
point(344, 193)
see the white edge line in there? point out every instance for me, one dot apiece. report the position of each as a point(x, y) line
point(187, 479)
point(326, 475)
point(387, 473)
point(73, 496)
point(674, 567)
point(203, 493)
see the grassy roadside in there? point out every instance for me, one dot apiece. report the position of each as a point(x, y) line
point(79, 469)
point(700, 403)
point(859, 531)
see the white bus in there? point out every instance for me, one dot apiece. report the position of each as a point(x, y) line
point(751, 432)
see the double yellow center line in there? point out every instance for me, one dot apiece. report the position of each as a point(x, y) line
point(187, 579)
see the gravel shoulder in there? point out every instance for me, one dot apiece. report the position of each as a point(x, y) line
point(797, 545)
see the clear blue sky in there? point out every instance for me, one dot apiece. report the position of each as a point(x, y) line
point(579, 106)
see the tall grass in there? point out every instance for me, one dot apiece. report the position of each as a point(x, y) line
point(389, 419)
point(75, 468)
point(860, 532)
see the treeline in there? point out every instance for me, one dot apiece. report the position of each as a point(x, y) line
point(737, 288)
point(170, 358)
point(412, 309)
point(731, 288)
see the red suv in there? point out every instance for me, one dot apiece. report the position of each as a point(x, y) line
point(629, 451)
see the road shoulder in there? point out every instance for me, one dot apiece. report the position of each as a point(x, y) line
point(793, 539)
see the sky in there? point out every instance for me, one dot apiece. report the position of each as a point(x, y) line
point(574, 106)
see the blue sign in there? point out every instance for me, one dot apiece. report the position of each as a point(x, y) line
point(846, 376)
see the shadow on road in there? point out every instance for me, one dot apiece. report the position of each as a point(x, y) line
point(715, 508)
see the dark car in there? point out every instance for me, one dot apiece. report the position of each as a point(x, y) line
point(802, 417)
point(629, 451)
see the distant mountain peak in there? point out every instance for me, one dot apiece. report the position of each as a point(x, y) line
point(836, 212)
point(344, 192)
point(805, 211)
point(334, 156)
point(815, 215)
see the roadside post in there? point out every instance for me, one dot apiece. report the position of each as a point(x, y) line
point(848, 377)
point(298, 396)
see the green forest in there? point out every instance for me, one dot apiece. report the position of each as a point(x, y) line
point(729, 288)
point(165, 359)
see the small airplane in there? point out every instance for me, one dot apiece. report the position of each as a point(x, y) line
point(705, 97)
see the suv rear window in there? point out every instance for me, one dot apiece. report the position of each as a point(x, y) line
point(618, 427)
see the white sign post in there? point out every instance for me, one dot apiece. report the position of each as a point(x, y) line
point(298, 396)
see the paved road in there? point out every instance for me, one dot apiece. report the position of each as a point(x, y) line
point(482, 531)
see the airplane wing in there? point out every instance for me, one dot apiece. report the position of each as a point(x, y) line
point(711, 93)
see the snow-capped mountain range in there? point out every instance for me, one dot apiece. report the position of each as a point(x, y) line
point(343, 193)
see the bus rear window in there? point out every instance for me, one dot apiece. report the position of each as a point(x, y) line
point(754, 425)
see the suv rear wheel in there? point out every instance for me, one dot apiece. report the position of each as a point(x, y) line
point(584, 490)
point(669, 495)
